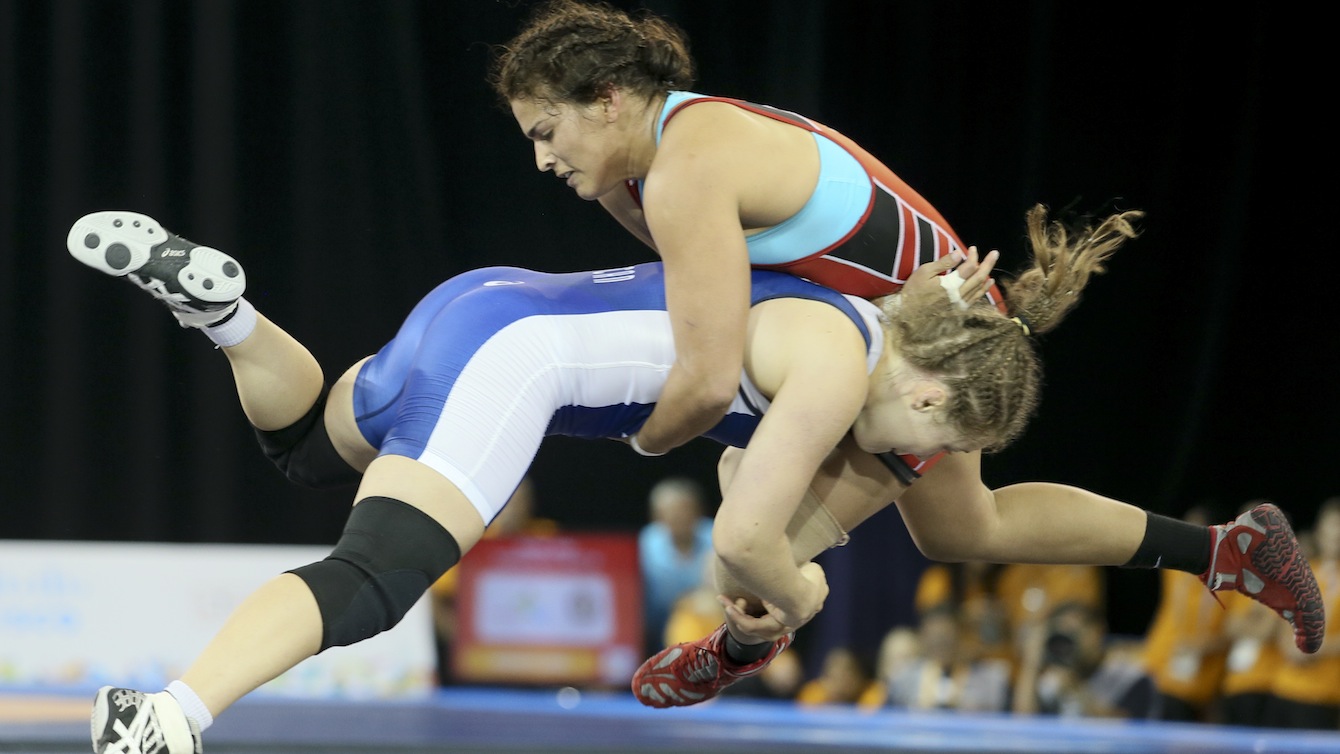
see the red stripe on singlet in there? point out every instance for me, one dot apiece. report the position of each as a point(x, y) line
point(908, 198)
point(890, 180)
point(907, 243)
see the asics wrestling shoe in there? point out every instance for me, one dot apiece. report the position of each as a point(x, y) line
point(132, 722)
point(199, 284)
point(695, 671)
point(1257, 554)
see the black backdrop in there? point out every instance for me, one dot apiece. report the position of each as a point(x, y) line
point(352, 156)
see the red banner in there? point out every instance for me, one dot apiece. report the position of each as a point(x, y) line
point(563, 609)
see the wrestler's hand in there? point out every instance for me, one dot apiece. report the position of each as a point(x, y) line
point(974, 272)
point(751, 629)
point(775, 623)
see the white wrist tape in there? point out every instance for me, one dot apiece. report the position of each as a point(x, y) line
point(632, 441)
point(951, 281)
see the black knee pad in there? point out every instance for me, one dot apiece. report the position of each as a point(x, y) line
point(388, 556)
point(304, 452)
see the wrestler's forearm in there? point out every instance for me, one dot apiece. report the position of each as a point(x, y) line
point(686, 409)
point(765, 571)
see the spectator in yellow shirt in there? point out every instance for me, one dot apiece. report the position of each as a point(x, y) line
point(1185, 648)
point(1253, 660)
point(1307, 686)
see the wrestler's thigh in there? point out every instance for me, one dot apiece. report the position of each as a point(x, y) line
point(341, 425)
point(950, 514)
point(423, 487)
point(854, 485)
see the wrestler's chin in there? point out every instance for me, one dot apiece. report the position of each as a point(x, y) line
point(585, 190)
point(868, 444)
point(581, 188)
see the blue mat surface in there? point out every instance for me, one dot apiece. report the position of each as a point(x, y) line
point(512, 720)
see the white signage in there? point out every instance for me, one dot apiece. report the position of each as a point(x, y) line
point(87, 614)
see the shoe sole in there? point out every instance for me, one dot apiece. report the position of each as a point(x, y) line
point(656, 684)
point(98, 720)
point(1279, 552)
point(120, 243)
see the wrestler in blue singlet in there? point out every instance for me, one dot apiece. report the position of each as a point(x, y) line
point(493, 360)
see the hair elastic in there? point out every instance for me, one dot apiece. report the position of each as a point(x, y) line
point(1023, 325)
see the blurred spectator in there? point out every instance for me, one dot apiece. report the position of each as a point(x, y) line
point(900, 648)
point(974, 588)
point(1186, 647)
point(517, 518)
point(943, 676)
point(1306, 692)
point(846, 678)
point(672, 550)
point(1068, 669)
point(696, 613)
point(1030, 592)
point(1253, 660)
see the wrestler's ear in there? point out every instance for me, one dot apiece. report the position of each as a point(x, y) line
point(611, 102)
point(929, 395)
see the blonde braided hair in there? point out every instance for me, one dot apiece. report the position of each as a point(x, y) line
point(988, 360)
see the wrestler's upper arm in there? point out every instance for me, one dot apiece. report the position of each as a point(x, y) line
point(812, 362)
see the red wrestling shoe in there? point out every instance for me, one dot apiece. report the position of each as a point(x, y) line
point(1257, 554)
point(695, 671)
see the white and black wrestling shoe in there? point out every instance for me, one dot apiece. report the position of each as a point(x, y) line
point(133, 722)
point(199, 284)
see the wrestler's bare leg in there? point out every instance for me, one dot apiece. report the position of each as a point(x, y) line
point(953, 516)
point(277, 378)
point(279, 625)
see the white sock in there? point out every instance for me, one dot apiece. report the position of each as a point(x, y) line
point(236, 328)
point(191, 704)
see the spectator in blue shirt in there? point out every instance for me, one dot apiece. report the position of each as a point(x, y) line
point(673, 549)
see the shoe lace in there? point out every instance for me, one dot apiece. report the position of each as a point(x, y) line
point(1213, 578)
point(699, 666)
point(142, 736)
